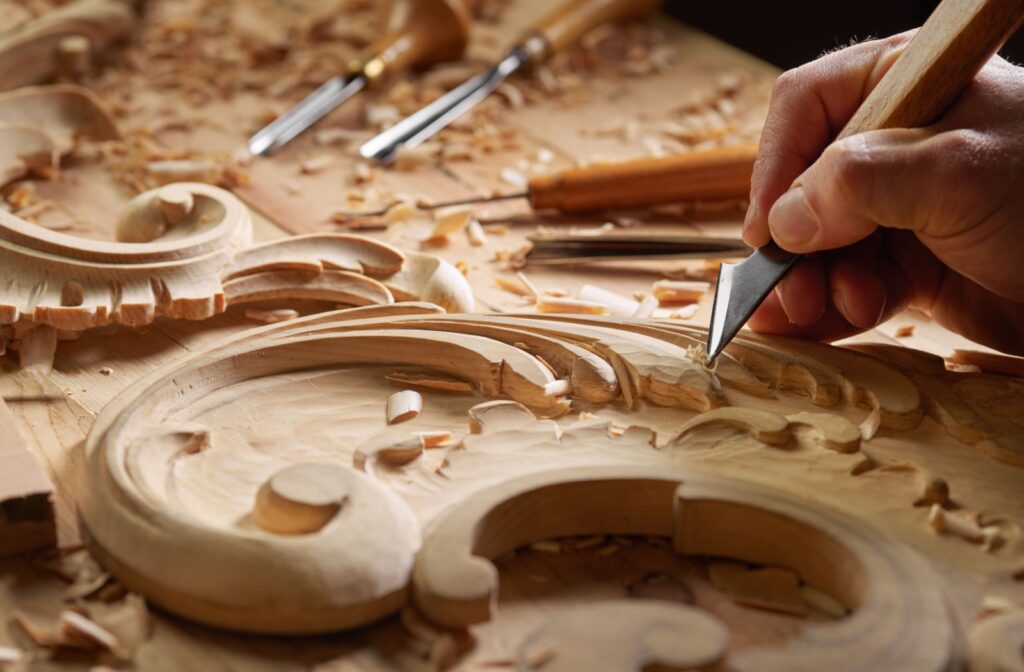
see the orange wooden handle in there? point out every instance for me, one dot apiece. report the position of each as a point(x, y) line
point(703, 175)
point(420, 33)
point(942, 59)
point(571, 20)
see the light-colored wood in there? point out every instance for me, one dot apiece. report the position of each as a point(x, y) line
point(627, 635)
point(41, 124)
point(510, 479)
point(944, 56)
point(189, 259)
point(27, 520)
point(712, 174)
point(29, 54)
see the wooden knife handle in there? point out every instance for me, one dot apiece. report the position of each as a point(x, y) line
point(939, 63)
point(571, 20)
point(420, 33)
point(707, 174)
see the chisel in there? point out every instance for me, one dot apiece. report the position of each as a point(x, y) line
point(419, 33)
point(939, 63)
point(708, 174)
point(557, 30)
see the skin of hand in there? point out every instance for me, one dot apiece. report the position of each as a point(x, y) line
point(930, 218)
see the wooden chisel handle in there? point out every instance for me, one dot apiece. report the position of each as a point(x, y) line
point(938, 64)
point(418, 34)
point(571, 20)
point(707, 174)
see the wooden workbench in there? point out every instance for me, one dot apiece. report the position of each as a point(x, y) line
point(604, 109)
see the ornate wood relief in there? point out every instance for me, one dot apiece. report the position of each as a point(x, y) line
point(264, 472)
point(188, 256)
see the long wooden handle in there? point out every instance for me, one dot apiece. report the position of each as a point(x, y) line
point(708, 174)
point(420, 33)
point(941, 60)
point(571, 20)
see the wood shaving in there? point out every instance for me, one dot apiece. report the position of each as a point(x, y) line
point(271, 316)
point(475, 234)
point(435, 439)
point(404, 405)
point(316, 164)
point(448, 221)
point(679, 291)
point(617, 304)
point(515, 286)
point(552, 304)
point(106, 371)
point(963, 526)
point(513, 177)
point(906, 331)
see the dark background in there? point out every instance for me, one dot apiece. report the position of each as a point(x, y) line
point(790, 32)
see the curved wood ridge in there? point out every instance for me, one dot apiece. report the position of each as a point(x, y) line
point(518, 468)
point(40, 124)
point(184, 252)
point(29, 54)
point(899, 620)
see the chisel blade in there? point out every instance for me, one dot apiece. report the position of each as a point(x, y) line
point(740, 290)
point(430, 119)
point(310, 110)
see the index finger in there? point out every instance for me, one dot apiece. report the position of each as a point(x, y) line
point(808, 108)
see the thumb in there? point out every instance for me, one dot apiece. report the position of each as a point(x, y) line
point(858, 184)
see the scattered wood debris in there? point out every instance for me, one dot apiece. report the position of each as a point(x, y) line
point(989, 361)
point(905, 331)
point(435, 439)
point(515, 286)
point(475, 233)
point(448, 221)
point(404, 405)
point(106, 371)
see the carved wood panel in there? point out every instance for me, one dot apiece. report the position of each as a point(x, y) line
point(263, 471)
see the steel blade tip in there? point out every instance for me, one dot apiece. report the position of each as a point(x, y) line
point(719, 313)
point(740, 290)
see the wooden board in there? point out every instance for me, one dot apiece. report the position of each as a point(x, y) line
point(170, 97)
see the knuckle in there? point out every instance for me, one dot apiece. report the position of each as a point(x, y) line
point(849, 164)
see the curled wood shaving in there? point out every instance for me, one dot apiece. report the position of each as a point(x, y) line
point(963, 526)
point(404, 405)
point(316, 164)
point(475, 234)
point(617, 304)
point(448, 221)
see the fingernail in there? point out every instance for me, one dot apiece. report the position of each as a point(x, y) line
point(751, 215)
point(881, 312)
point(791, 220)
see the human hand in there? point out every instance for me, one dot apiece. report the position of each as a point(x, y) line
point(930, 217)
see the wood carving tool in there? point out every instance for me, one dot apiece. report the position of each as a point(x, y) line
point(939, 63)
point(419, 33)
point(557, 30)
point(585, 248)
point(720, 173)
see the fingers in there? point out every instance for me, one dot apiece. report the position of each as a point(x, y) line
point(809, 106)
point(837, 294)
point(878, 178)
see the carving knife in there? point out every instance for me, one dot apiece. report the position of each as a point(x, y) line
point(589, 248)
point(939, 63)
point(709, 174)
point(557, 30)
point(419, 33)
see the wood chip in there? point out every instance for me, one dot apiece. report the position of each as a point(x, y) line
point(514, 287)
point(990, 362)
point(271, 316)
point(404, 405)
point(513, 177)
point(451, 220)
point(551, 304)
point(679, 291)
point(399, 212)
point(770, 588)
point(9, 655)
point(906, 331)
point(964, 526)
point(617, 304)
point(316, 164)
point(77, 627)
point(435, 439)
point(475, 234)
